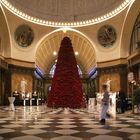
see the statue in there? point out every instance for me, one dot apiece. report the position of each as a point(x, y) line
point(23, 85)
point(108, 84)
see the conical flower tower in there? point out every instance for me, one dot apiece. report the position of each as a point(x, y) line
point(66, 88)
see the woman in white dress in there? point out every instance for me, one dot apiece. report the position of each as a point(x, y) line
point(104, 104)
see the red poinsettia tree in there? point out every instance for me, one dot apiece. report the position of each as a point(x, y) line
point(66, 88)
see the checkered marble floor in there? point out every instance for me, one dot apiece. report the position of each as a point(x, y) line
point(42, 123)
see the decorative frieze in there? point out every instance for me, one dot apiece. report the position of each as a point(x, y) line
point(3, 64)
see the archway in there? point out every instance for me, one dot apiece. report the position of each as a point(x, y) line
point(47, 50)
point(129, 22)
point(5, 51)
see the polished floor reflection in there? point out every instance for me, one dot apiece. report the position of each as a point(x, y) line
point(42, 123)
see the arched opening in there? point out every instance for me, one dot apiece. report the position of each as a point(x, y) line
point(46, 53)
point(46, 56)
point(5, 51)
point(52, 70)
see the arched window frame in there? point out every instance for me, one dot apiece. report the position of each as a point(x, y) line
point(51, 73)
point(135, 37)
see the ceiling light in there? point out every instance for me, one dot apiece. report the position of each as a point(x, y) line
point(64, 31)
point(76, 53)
point(54, 53)
point(102, 18)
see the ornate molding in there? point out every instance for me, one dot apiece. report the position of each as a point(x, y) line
point(134, 61)
point(69, 20)
point(3, 64)
point(121, 68)
point(20, 63)
point(112, 63)
point(18, 69)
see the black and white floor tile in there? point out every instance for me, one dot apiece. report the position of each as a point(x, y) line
point(42, 123)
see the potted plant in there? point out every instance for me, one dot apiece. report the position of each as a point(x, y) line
point(136, 98)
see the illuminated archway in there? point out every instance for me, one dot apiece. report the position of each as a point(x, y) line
point(48, 47)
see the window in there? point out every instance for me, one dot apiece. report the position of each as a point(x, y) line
point(54, 66)
point(135, 38)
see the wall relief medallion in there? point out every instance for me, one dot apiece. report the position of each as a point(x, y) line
point(107, 36)
point(24, 35)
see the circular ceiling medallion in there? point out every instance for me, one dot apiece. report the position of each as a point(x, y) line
point(107, 36)
point(24, 35)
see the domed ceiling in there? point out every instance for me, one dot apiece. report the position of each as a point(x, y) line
point(66, 12)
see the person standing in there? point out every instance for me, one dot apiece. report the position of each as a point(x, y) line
point(122, 98)
point(104, 104)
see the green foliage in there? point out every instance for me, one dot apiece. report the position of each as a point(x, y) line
point(136, 96)
point(92, 93)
